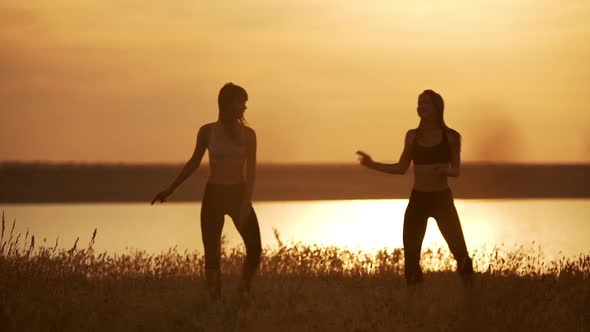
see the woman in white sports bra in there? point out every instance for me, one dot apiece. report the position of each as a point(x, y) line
point(232, 160)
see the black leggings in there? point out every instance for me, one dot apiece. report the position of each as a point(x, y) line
point(219, 200)
point(440, 206)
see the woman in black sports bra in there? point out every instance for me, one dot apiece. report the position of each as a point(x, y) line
point(435, 150)
point(232, 162)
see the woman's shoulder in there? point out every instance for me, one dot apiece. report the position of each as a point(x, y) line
point(411, 132)
point(453, 135)
point(411, 135)
point(248, 130)
point(205, 130)
point(207, 126)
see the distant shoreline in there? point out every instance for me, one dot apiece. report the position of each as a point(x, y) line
point(94, 183)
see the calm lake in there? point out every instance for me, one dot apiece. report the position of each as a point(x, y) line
point(560, 227)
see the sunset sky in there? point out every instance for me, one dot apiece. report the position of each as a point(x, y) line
point(132, 81)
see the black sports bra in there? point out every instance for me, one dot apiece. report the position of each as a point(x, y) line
point(426, 155)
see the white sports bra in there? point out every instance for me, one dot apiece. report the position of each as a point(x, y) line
point(220, 151)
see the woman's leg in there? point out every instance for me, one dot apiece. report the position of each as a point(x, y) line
point(415, 220)
point(211, 228)
point(448, 222)
point(250, 233)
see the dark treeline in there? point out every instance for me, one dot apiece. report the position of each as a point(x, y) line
point(56, 183)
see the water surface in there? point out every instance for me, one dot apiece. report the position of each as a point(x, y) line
point(560, 227)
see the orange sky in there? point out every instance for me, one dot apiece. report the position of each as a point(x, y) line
point(131, 81)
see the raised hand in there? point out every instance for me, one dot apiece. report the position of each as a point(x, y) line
point(364, 158)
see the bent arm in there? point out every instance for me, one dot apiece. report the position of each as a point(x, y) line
point(397, 168)
point(455, 167)
point(194, 162)
point(404, 161)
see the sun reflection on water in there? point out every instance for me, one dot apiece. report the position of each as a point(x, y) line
point(355, 224)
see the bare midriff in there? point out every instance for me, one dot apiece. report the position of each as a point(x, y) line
point(427, 179)
point(227, 172)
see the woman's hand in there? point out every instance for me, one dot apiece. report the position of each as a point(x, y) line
point(162, 195)
point(364, 158)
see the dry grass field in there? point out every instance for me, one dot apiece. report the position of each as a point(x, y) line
point(299, 288)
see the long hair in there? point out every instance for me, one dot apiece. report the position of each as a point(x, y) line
point(439, 105)
point(228, 95)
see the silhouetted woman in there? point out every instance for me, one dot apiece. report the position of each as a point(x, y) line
point(232, 159)
point(435, 150)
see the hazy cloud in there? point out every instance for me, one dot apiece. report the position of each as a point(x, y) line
point(493, 133)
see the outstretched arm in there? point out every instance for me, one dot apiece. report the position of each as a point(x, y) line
point(397, 168)
point(189, 168)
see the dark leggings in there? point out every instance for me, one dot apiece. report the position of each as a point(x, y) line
point(219, 200)
point(440, 206)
